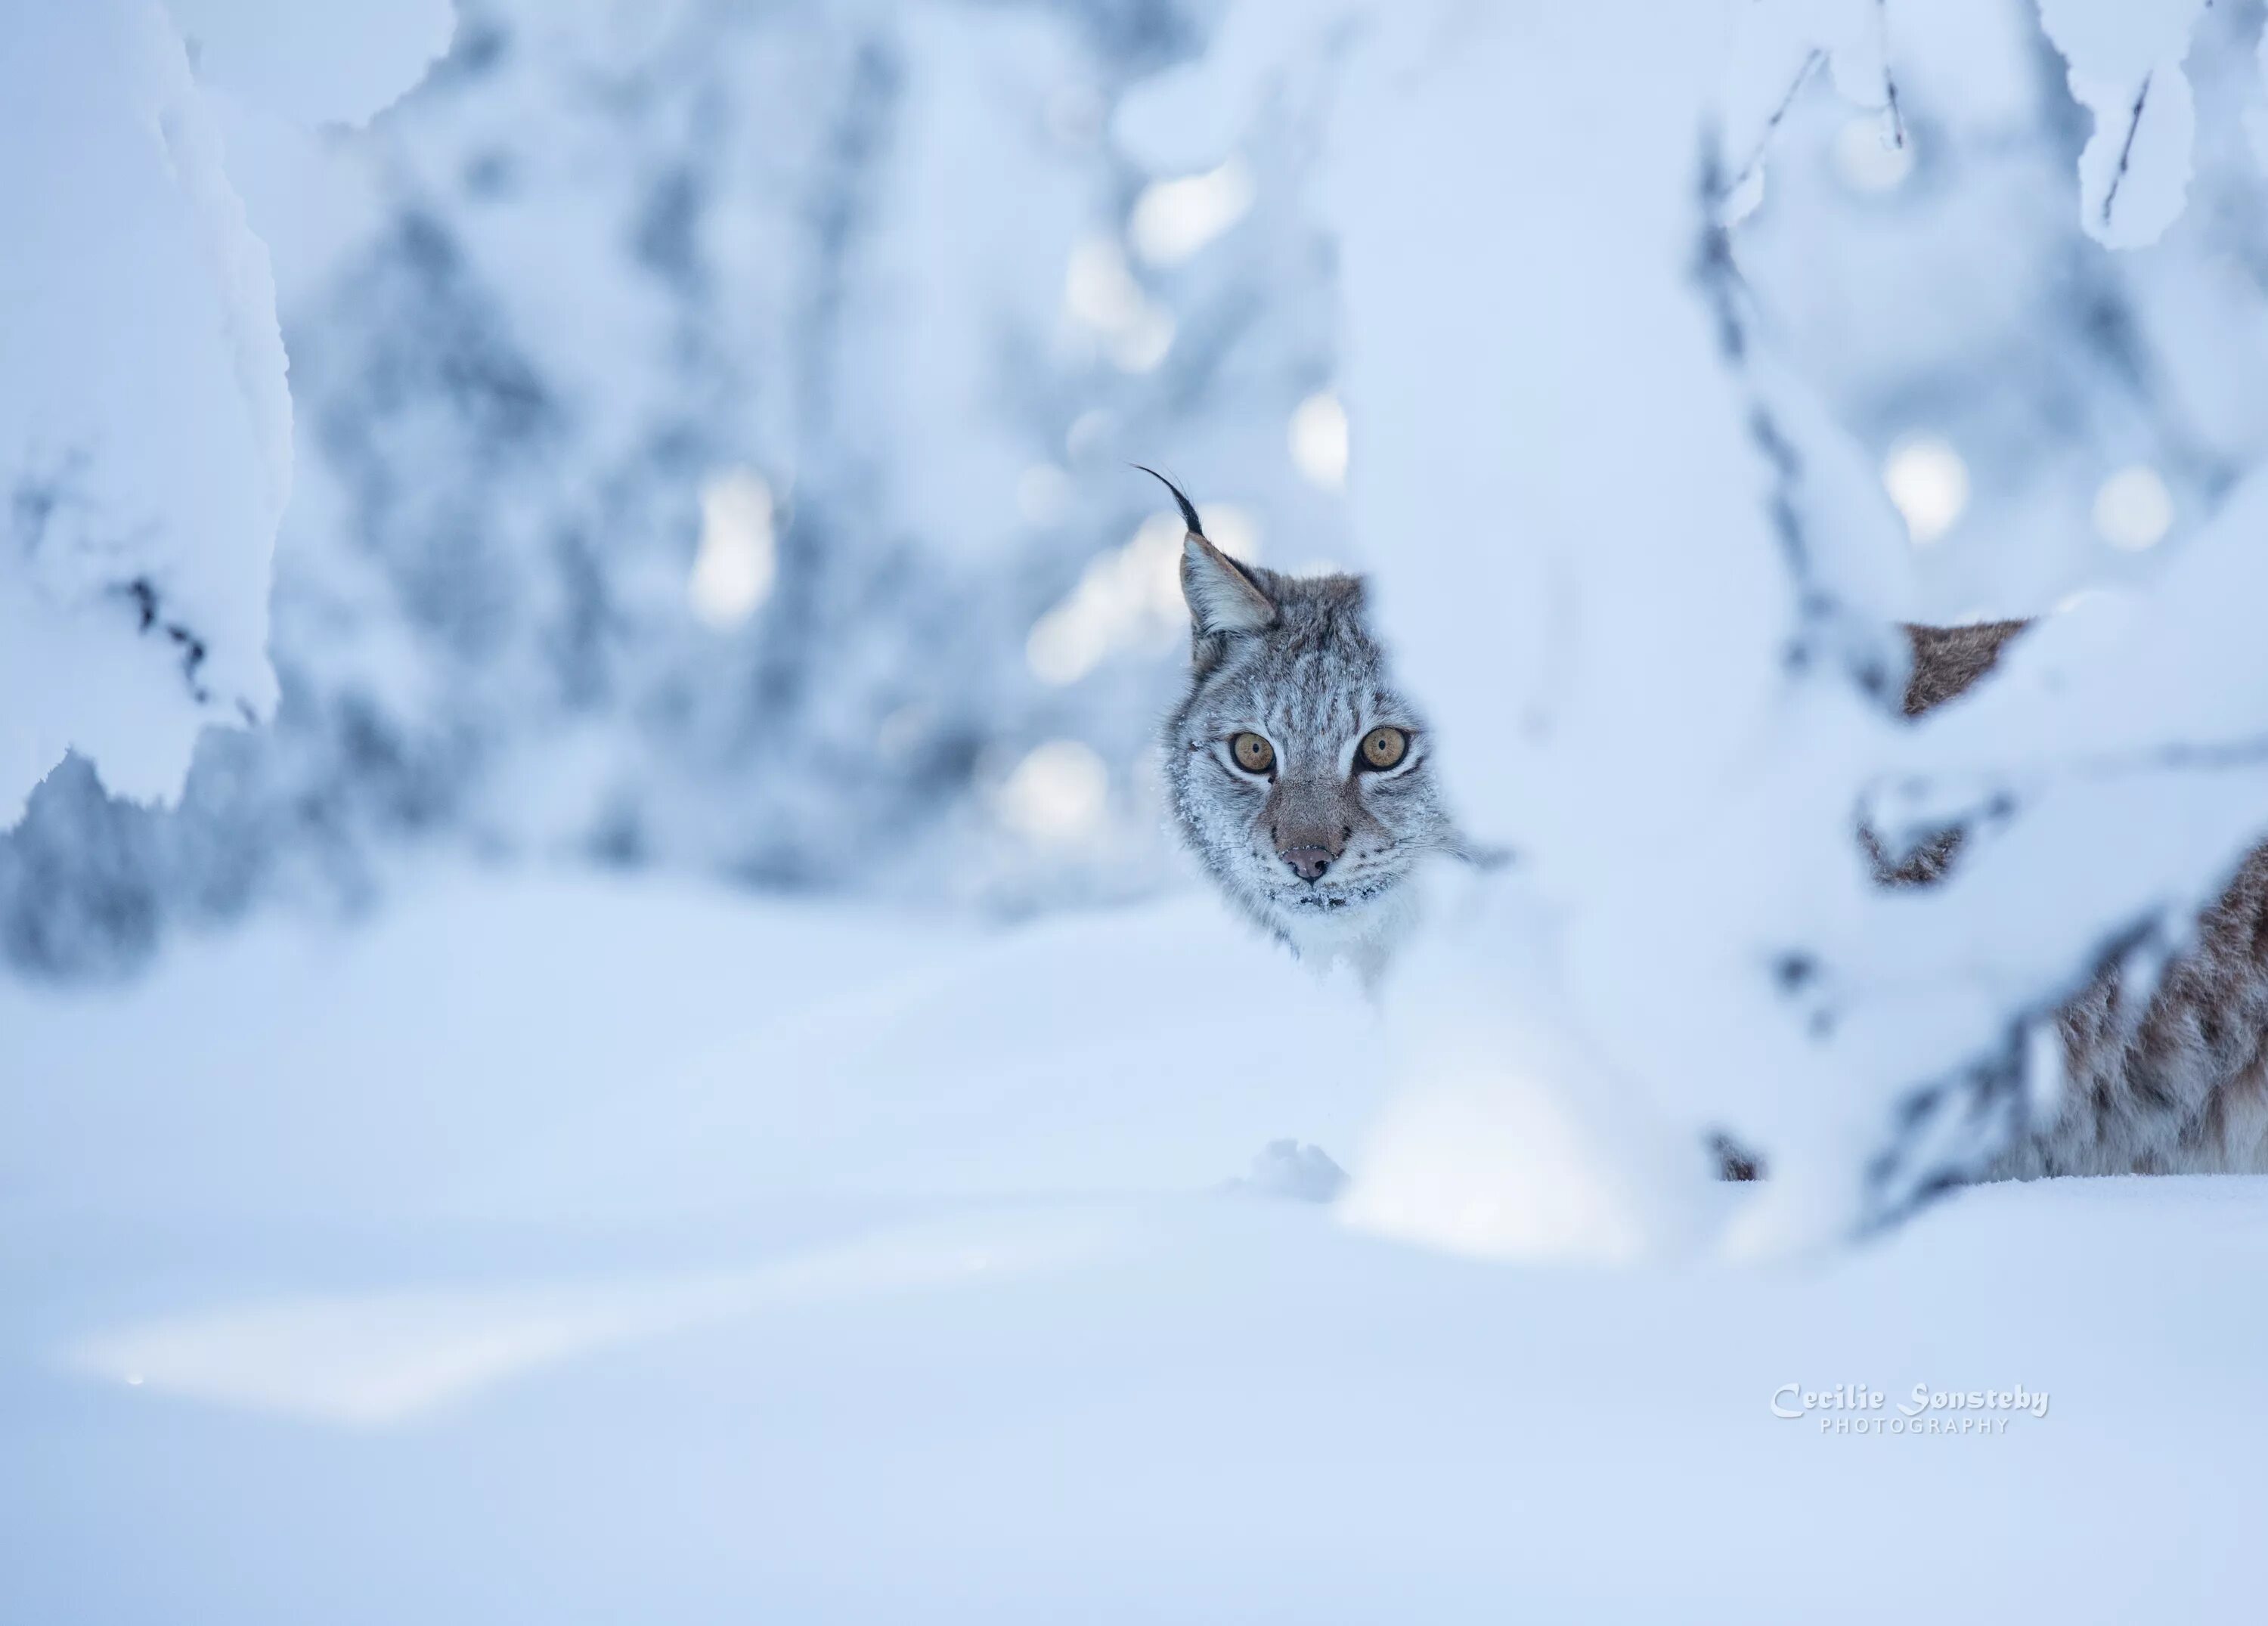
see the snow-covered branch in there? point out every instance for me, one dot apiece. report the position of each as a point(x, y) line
point(145, 427)
point(1673, 526)
point(2126, 63)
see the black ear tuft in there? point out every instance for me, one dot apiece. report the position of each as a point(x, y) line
point(1188, 509)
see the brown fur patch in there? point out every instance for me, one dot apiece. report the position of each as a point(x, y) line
point(2180, 1085)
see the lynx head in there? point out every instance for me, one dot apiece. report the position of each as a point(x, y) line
point(1299, 776)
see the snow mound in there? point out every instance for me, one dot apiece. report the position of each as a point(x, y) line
point(269, 1361)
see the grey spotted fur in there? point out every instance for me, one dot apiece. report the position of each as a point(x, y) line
point(1290, 659)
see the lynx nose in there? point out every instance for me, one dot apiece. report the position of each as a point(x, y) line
point(1308, 863)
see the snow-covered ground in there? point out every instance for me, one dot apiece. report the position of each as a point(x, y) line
point(555, 1250)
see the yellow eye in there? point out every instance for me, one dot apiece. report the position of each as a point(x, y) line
point(1381, 748)
point(1253, 755)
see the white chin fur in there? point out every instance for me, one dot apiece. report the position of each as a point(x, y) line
point(1365, 935)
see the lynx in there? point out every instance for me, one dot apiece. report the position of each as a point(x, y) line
point(1299, 774)
point(1302, 780)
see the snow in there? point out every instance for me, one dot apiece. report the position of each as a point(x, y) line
point(145, 426)
point(609, 260)
point(981, 220)
point(1670, 678)
point(341, 63)
point(2125, 60)
point(898, 1060)
point(552, 1247)
point(402, 1325)
point(1775, 46)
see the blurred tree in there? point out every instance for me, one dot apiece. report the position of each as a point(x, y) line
point(694, 429)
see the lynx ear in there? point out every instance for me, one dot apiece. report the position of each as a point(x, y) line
point(1222, 596)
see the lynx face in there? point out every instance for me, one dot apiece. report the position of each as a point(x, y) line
point(1301, 777)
